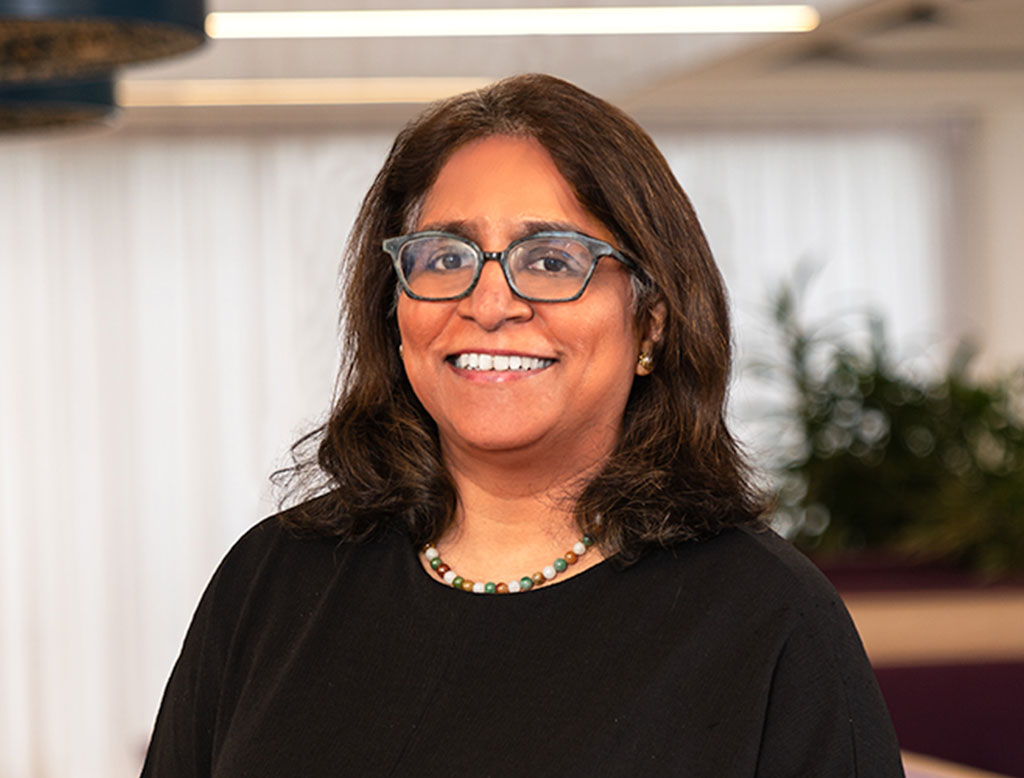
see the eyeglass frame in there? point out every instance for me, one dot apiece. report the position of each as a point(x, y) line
point(597, 247)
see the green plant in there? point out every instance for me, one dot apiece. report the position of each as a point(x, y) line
point(880, 459)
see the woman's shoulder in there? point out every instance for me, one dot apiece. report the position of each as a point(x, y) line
point(272, 562)
point(270, 543)
point(822, 679)
point(762, 585)
point(748, 571)
point(746, 552)
point(760, 553)
point(289, 532)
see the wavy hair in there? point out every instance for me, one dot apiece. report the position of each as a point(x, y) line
point(676, 473)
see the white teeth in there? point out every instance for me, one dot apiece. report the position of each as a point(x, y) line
point(500, 362)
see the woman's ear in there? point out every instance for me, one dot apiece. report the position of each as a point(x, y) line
point(651, 336)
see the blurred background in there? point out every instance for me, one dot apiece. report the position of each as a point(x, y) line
point(169, 308)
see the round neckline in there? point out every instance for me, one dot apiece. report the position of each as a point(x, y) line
point(536, 594)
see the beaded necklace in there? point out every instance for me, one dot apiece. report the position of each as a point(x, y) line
point(527, 582)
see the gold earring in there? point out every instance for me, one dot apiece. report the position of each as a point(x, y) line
point(644, 363)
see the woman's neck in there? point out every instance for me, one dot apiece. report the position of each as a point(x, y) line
point(513, 517)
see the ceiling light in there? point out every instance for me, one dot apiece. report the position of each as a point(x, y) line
point(289, 91)
point(512, 21)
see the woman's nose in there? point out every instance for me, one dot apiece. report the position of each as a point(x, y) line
point(492, 301)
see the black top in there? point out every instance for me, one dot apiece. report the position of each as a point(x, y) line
point(728, 657)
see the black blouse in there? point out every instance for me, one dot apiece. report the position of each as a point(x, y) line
point(728, 657)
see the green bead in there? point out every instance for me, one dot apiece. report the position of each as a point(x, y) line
point(560, 565)
point(587, 541)
point(490, 588)
point(457, 582)
point(525, 582)
point(435, 562)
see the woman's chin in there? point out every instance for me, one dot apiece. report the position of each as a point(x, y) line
point(512, 441)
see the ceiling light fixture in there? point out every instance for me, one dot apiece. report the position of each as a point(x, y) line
point(132, 93)
point(52, 39)
point(640, 20)
point(56, 104)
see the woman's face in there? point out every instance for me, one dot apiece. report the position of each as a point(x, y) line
point(494, 191)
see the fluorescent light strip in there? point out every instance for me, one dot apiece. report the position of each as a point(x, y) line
point(133, 93)
point(640, 20)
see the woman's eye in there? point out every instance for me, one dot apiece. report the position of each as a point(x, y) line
point(550, 257)
point(449, 261)
point(551, 264)
point(555, 264)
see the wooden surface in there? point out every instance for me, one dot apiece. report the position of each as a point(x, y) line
point(918, 766)
point(936, 627)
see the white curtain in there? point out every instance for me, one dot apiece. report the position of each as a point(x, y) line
point(167, 328)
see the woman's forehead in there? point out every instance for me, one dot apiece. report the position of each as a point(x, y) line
point(503, 187)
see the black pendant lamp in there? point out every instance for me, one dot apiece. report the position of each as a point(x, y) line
point(56, 104)
point(43, 40)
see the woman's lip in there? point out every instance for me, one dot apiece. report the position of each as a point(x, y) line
point(495, 376)
point(498, 353)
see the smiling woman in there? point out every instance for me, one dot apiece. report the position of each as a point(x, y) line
point(548, 425)
point(562, 416)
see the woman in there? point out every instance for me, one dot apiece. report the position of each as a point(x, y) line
point(535, 549)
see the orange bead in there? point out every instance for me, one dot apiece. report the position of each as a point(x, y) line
point(467, 586)
point(442, 569)
point(501, 588)
point(538, 578)
point(570, 557)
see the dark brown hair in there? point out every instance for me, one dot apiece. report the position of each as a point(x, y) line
point(676, 473)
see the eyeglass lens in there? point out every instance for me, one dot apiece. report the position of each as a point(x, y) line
point(548, 268)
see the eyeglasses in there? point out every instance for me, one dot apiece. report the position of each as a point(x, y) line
point(546, 267)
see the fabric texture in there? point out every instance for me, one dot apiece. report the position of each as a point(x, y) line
point(727, 657)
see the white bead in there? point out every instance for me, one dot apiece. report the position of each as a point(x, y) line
point(449, 576)
point(513, 586)
point(478, 588)
point(549, 572)
point(431, 553)
point(579, 549)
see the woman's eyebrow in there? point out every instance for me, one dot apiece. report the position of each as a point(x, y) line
point(458, 227)
point(524, 229)
point(532, 227)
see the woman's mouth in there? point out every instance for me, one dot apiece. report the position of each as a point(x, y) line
point(471, 360)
